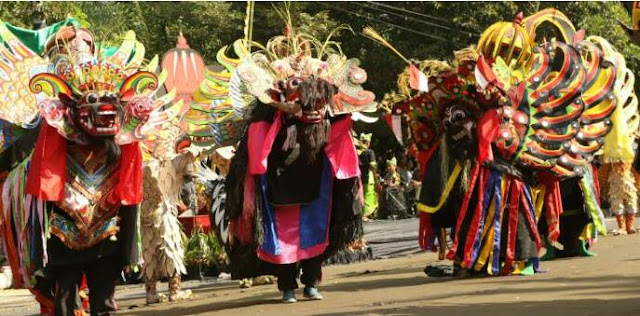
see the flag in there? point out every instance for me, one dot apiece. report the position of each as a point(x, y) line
point(417, 79)
point(483, 73)
point(395, 123)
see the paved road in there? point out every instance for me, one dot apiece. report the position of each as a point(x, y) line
point(608, 284)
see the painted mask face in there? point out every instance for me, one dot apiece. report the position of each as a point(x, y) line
point(97, 115)
point(141, 107)
point(315, 96)
point(458, 123)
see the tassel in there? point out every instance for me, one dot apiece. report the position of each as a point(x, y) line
point(591, 204)
point(372, 34)
point(480, 258)
point(243, 224)
point(425, 231)
point(8, 234)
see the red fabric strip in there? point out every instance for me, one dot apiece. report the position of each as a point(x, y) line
point(47, 171)
point(488, 128)
point(341, 151)
point(596, 181)
point(472, 232)
point(261, 137)
point(514, 206)
point(425, 231)
point(552, 205)
point(129, 188)
point(424, 156)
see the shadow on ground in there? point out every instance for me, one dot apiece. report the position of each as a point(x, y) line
point(567, 308)
point(535, 296)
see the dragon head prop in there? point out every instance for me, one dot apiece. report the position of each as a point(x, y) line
point(544, 106)
point(451, 107)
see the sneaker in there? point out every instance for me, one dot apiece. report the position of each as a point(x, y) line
point(312, 293)
point(289, 297)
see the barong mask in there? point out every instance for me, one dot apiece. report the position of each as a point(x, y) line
point(449, 109)
point(92, 99)
point(86, 97)
point(460, 126)
point(272, 74)
point(277, 74)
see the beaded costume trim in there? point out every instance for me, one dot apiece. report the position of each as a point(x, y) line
point(89, 188)
point(73, 238)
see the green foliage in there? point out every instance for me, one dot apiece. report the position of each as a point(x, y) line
point(600, 18)
point(24, 14)
point(204, 249)
point(438, 28)
point(207, 25)
point(435, 31)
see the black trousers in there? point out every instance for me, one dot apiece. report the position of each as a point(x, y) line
point(102, 275)
point(288, 274)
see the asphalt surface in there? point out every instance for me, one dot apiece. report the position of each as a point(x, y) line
point(608, 284)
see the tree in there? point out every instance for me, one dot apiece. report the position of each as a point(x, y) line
point(24, 14)
point(420, 30)
point(425, 30)
point(206, 25)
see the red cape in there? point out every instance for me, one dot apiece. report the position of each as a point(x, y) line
point(47, 172)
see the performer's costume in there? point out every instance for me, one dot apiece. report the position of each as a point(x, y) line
point(293, 189)
point(166, 168)
point(368, 168)
point(518, 114)
point(576, 235)
point(621, 178)
point(169, 175)
point(73, 202)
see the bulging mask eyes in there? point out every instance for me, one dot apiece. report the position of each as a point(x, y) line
point(92, 98)
point(294, 83)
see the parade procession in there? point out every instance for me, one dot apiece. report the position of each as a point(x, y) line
point(319, 158)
